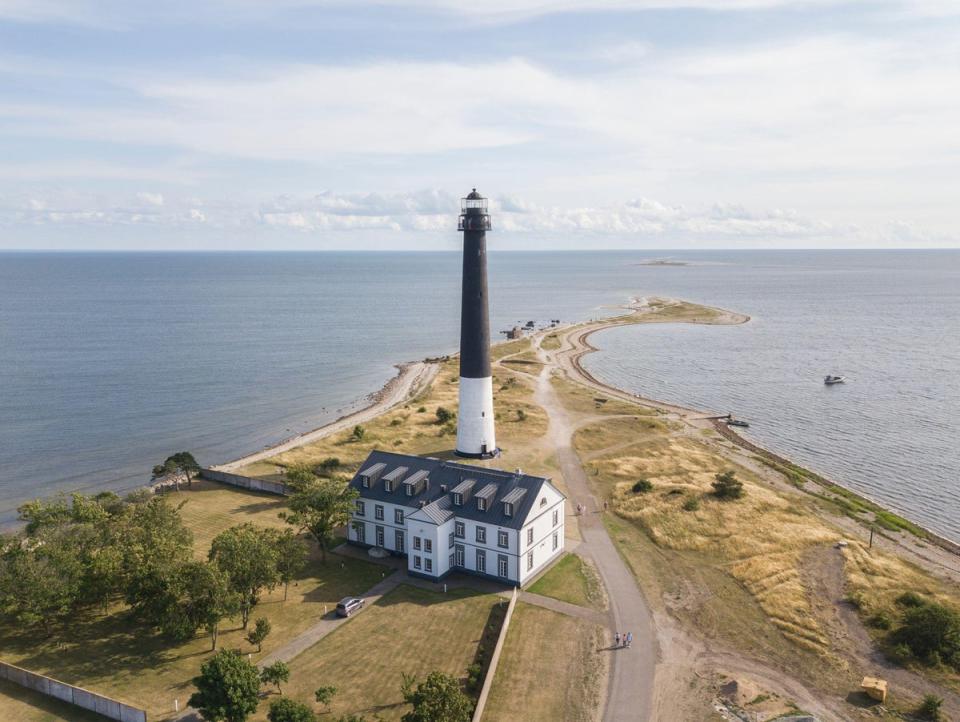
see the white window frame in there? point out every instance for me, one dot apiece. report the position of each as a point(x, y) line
point(481, 534)
point(416, 561)
point(459, 530)
point(556, 540)
point(556, 517)
point(378, 512)
point(481, 503)
point(503, 540)
point(416, 543)
point(481, 561)
point(503, 566)
point(428, 564)
point(361, 508)
point(529, 561)
point(379, 536)
point(398, 541)
point(529, 536)
point(398, 516)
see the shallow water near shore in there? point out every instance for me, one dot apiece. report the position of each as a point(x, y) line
point(108, 362)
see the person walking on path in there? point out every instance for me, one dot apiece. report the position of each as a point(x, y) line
point(629, 639)
point(616, 638)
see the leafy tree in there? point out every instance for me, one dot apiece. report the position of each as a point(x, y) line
point(40, 513)
point(642, 486)
point(261, 629)
point(320, 507)
point(275, 674)
point(178, 467)
point(437, 699)
point(444, 415)
point(358, 433)
point(930, 708)
point(228, 688)
point(247, 555)
point(205, 598)
point(727, 486)
point(288, 710)
point(328, 466)
point(351, 718)
point(931, 629)
point(324, 695)
point(291, 556)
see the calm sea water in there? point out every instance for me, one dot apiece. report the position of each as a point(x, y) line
point(108, 362)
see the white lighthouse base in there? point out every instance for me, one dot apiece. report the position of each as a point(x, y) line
point(476, 437)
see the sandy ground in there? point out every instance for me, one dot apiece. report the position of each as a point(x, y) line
point(412, 378)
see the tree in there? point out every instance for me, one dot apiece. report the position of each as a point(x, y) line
point(288, 710)
point(324, 695)
point(727, 486)
point(358, 433)
point(291, 556)
point(443, 415)
point(930, 708)
point(437, 699)
point(931, 629)
point(205, 598)
point(328, 466)
point(260, 631)
point(228, 688)
point(247, 555)
point(178, 467)
point(320, 507)
point(275, 674)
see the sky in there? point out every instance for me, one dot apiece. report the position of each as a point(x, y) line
point(348, 124)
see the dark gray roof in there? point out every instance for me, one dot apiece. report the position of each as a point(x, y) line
point(451, 474)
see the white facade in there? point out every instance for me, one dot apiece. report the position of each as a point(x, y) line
point(475, 428)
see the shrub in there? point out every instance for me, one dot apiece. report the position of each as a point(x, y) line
point(521, 415)
point(358, 433)
point(879, 620)
point(642, 486)
point(931, 629)
point(396, 422)
point(910, 599)
point(288, 710)
point(855, 599)
point(930, 708)
point(691, 504)
point(899, 653)
point(473, 676)
point(422, 410)
point(727, 486)
point(443, 415)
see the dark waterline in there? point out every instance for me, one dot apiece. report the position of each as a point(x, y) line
point(110, 361)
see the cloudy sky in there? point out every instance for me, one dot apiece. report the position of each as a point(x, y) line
point(314, 124)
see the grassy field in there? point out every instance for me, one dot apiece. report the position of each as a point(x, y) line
point(550, 342)
point(533, 683)
point(410, 630)
point(571, 580)
point(113, 655)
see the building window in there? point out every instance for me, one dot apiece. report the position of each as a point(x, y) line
point(361, 508)
point(556, 540)
point(450, 544)
point(452, 560)
point(543, 502)
point(507, 509)
point(409, 489)
point(398, 539)
point(458, 555)
point(481, 504)
point(529, 561)
point(416, 543)
point(529, 536)
point(387, 485)
point(458, 499)
point(416, 562)
point(379, 536)
point(481, 561)
point(398, 516)
point(361, 530)
point(428, 565)
point(556, 517)
point(503, 540)
point(459, 530)
point(428, 545)
point(481, 535)
point(365, 481)
point(378, 512)
point(502, 566)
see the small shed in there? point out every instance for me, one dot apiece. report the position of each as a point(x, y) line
point(875, 688)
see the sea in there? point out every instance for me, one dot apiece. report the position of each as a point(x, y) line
point(109, 362)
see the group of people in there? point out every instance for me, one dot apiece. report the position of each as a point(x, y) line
point(623, 640)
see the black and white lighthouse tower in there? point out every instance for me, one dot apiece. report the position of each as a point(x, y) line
point(476, 437)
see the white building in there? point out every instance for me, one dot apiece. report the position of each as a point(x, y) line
point(446, 516)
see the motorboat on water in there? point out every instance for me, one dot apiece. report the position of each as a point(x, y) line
point(737, 422)
point(830, 380)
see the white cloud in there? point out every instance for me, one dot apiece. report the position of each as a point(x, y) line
point(152, 199)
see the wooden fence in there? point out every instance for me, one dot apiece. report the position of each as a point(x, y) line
point(73, 695)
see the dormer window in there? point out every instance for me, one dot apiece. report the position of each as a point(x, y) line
point(409, 489)
point(481, 504)
point(507, 508)
point(387, 485)
point(458, 499)
point(365, 481)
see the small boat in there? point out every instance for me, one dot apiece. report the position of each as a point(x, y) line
point(737, 422)
point(831, 380)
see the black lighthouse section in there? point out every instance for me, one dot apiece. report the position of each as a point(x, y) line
point(474, 314)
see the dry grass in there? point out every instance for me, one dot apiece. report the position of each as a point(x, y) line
point(564, 683)
point(550, 342)
point(115, 656)
point(410, 630)
point(572, 579)
point(581, 400)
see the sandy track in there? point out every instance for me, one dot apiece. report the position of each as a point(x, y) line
point(412, 378)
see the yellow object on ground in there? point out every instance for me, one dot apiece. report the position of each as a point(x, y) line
point(875, 688)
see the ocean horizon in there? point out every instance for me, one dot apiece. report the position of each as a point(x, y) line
point(109, 361)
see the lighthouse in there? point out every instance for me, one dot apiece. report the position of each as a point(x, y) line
point(476, 437)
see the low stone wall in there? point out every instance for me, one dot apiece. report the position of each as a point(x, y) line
point(73, 695)
point(494, 660)
point(246, 482)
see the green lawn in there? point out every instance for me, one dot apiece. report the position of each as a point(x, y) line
point(112, 655)
point(571, 580)
point(551, 669)
point(410, 630)
point(23, 705)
